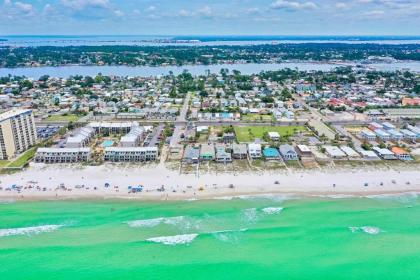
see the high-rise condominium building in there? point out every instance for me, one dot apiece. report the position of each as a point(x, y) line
point(17, 132)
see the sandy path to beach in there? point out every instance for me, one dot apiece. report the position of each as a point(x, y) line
point(43, 182)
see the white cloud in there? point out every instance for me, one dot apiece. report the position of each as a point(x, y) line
point(293, 5)
point(184, 13)
point(82, 4)
point(24, 7)
point(48, 9)
point(119, 13)
point(206, 11)
point(341, 5)
point(253, 11)
point(374, 13)
point(151, 9)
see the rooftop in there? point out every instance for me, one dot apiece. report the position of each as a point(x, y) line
point(13, 113)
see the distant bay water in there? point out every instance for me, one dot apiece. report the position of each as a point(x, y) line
point(153, 40)
point(146, 71)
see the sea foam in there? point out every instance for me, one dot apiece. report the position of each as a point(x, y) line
point(366, 229)
point(28, 230)
point(156, 222)
point(174, 240)
point(230, 236)
point(404, 198)
point(250, 215)
point(272, 210)
point(7, 201)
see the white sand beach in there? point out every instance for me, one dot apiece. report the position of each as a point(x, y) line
point(40, 182)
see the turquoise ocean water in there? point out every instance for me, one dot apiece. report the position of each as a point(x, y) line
point(243, 238)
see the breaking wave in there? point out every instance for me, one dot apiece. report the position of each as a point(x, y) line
point(29, 230)
point(405, 198)
point(272, 197)
point(250, 215)
point(366, 229)
point(272, 210)
point(174, 240)
point(228, 235)
point(7, 201)
point(156, 222)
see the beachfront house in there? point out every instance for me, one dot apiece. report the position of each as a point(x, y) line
point(304, 151)
point(334, 152)
point(202, 129)
point(388, 126)
point(62, 155)
point(228, 137)
point(254, 150)
point(207, 152)
point(401, 154)
point(368, 135)
point(374, 126)
point(239, 151)
point(271, 154)
point(191, 155)
point(288, 152)
point(395, 135)
point(350, 153)
point(368, 155)
point(409, 135)
point(131, 154)
point(383, 135)
point(274, 136)
point(384, 153)
point(415, 130)
point(222, 155)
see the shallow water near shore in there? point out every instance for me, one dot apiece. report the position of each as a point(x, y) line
point(267, 237)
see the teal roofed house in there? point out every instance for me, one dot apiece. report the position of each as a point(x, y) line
point(271, 153)
point(207, 152)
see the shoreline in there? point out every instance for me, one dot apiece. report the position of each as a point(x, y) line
point(41, 182)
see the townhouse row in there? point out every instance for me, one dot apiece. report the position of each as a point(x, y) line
point(227, 153)
point(388, 132)
point(111, 154)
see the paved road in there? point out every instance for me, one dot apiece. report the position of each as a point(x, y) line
point(157, 131)
point(180, 122)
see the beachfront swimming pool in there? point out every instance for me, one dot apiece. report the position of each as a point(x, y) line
point(107, 143)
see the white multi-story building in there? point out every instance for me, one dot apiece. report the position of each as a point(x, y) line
point(368, 135)
point(64, 155)
point(112, 127)
point(131, 154)
point(254, 150)
point(17, 132)
point(133, 138)
point(81, 139)
point(409, 135)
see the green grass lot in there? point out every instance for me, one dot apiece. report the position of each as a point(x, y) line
point(249, 133)
point(203, 138)
point(4, 163)
point(24, 158)
point(63, 118)
point(257, 118)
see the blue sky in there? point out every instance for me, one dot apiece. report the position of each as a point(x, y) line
point(217, 17)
